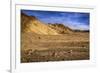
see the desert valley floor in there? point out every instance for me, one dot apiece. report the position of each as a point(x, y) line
point(40, 48)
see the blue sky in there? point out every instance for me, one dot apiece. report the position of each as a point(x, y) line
point(74, 20)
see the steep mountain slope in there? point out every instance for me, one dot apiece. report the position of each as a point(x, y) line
point(32, 24)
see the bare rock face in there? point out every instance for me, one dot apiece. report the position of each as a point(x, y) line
point(32, 24)
point(60, 28)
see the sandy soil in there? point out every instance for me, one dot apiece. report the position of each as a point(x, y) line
point(43, 48)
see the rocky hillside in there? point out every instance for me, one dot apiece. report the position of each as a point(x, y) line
point(60, 28)
point(32, 24)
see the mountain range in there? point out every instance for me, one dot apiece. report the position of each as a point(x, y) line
point(33, 24)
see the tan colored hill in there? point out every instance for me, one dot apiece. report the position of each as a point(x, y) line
point(60, 28)
point(32, 24)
